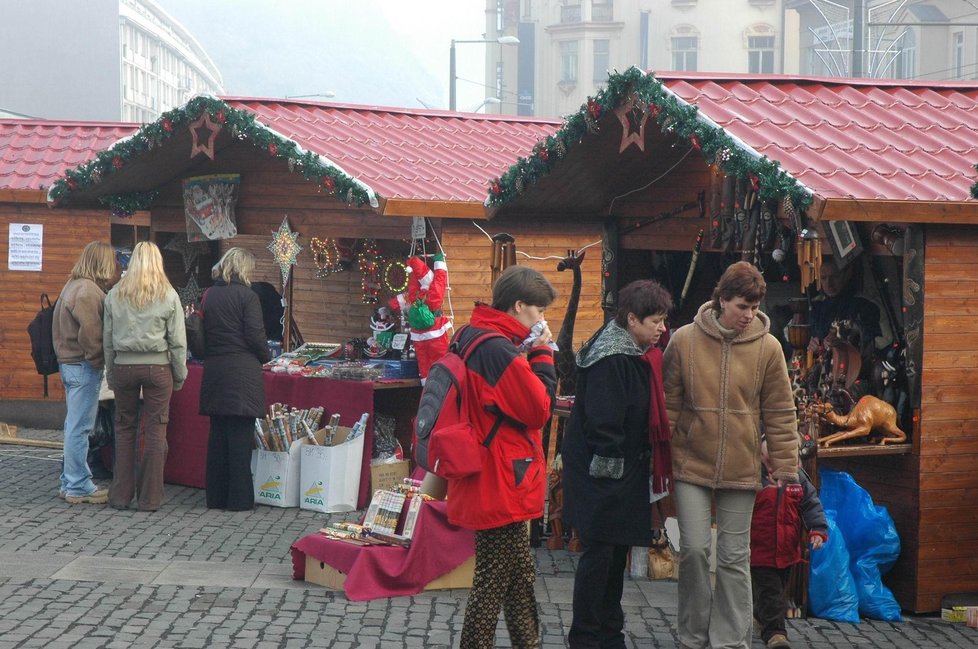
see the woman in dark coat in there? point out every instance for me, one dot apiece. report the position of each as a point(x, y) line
point(617, 425)
point(231, 392)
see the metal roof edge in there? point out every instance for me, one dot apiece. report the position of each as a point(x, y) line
point(801, 79)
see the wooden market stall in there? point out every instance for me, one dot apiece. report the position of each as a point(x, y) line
point(868, 174)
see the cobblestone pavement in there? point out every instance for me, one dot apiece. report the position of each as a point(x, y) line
point(88, 576)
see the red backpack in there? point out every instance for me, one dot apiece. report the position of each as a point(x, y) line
point(445, 443)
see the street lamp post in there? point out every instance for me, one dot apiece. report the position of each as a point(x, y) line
point(502, 40)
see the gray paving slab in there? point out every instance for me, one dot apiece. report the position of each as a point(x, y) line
point(185, 576)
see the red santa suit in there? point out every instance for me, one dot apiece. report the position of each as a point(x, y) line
point(426, 292)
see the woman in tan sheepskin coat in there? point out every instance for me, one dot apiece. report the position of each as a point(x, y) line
point(726, 381)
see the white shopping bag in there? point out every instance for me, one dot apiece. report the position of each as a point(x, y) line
point(276, 476)
point(330, 475)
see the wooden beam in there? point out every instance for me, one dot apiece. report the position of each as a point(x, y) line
point(889, 211)
point(439, 209)
point(23, 196)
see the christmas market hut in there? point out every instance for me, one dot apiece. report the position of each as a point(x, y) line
point(688, 172)
point(334, 200)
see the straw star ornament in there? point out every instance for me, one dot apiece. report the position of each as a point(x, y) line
point(285, 248)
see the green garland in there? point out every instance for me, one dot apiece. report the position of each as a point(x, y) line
point(672, 115)
point(242, 124)
point(125, 205)
point(974, 188)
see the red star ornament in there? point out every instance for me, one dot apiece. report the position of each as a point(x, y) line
point(633, 114)
point(205, 130)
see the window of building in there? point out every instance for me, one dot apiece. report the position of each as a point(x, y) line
point(601, 59)
point(568, 62)
point(570, 12)
point(684, 53)
point(904, 65)
point(500, 16)
point(603, 11)
point(760, 54)
point(958, 55)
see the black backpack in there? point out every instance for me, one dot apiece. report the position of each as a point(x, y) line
point(42, 341)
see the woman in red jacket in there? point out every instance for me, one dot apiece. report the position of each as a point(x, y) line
point(496, 502)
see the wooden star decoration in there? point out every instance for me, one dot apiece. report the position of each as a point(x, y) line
point(188, 250)
point(633, 114)
point(204, 132)
point(285, 248)
point(190, 294)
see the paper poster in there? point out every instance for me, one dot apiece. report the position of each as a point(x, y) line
point(24, 246)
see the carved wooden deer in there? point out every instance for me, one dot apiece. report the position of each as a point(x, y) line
point(565, 365)
point(869, 415)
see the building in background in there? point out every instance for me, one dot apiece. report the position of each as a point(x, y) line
point(567, 47)
point(99, 60)
point(908, 39)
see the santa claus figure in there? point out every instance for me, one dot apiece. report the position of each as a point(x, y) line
point(422, 304)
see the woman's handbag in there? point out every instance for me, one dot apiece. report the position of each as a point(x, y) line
point(194, 324)
point(662, 563)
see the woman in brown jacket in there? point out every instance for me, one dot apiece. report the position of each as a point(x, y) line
point(725, 381)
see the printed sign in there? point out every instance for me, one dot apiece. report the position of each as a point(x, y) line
point(24, 247)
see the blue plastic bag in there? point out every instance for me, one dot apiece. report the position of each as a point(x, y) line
point(871, 539)
point(831, 589)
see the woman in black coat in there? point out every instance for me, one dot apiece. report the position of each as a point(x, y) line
point(232, 392)
point(617, 419)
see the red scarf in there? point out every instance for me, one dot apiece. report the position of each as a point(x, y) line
point(660, 433)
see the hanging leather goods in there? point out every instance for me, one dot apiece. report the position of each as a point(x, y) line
point(752, 230)
point(728, 196)
point(716, 200)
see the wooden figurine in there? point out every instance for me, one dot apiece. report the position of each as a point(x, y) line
point(869, 415)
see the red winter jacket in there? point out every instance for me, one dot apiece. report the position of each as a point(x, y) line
point(512, 484)
point(776, 525)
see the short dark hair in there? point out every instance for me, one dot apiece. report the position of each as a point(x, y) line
point(643, 297)
point(741, 279)
point(524, 284)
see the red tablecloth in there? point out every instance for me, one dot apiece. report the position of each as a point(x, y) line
point(374, 572)
point(187, 432)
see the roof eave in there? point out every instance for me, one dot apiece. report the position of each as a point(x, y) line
point(897, 211)
point(434, 208)
point(23, 196)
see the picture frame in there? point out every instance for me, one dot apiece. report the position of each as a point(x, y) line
point(844, 240)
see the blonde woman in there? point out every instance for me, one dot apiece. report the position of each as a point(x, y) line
point(77, 334)
point(231, 392)
point(145, 350)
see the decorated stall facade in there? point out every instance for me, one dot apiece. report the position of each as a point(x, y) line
point(689, 172)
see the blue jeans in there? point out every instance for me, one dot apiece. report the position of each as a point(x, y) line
point(82, 383)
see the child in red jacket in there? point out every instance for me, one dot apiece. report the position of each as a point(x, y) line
point(780, 514)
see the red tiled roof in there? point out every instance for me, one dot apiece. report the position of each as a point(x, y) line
point(406, 153)
point(845, 138)
point(35, 153)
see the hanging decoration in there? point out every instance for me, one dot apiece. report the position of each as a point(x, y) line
point(208, 205)
point(369, 262)
point(191, 292)
point(285, 248)
point(326, 254)
point(204, 132)
point(395, 277)
point(189, 251)
point(422, 304)
point(673, 115)
point(241, 123)
point(125, 205)
point(633, 114)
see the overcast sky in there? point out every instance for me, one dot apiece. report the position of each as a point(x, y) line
point(381, 52)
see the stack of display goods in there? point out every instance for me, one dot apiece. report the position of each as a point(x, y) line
point(302, 360)
point(283, 425)
point(391, 517)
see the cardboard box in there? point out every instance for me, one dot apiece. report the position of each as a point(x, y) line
point(330, 475)
point(388, 474)
point(318, 572)
point(276, 476)
point(954, 607)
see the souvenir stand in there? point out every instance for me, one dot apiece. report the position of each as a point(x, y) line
point(323, 196)
point(687, 173)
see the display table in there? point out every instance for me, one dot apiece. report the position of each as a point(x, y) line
point(187, 431)
point(374, 572)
